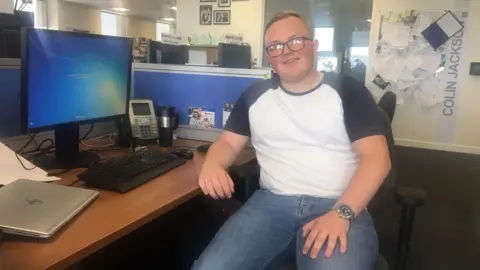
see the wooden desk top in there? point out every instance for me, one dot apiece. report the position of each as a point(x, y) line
point(111, 216)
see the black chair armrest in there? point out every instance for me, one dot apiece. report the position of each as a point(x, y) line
point(410, 196)
point(245, 170)
point(246, 179)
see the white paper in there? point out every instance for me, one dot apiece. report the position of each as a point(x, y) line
point(197, 57)
point(404, 84)
point(406, 75)
point(11, 169)
point(449, 24)
point(390, 67)
point(429, 93)
point(419, 44)
point(413, 62)
point(423, 21)
point(396, 34)
point(431, 60)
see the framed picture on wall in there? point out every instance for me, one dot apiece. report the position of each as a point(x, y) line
point(224, 3)
point(221, 17)
point(205, 14)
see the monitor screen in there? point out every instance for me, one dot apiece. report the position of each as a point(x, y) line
point(161, 53)
point(10, 28)
point(234, 56)
point(74, 77)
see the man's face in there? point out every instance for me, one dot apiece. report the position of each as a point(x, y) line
point(291, 66)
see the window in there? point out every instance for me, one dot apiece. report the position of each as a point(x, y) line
point(162, 27)
point(38, 8)
point(26, 7)
point(109, 24)
point(325, 39)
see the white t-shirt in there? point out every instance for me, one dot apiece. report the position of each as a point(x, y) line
point(303, 141)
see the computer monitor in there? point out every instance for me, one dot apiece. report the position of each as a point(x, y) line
point(234, 56)
point(162, 53)
point(70, 79)
point(10, 32)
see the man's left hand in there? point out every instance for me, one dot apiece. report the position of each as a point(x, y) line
point(326, 229)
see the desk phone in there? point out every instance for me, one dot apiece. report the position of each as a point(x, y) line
point(142, 119)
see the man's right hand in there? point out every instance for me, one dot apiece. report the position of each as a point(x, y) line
point(215, 181)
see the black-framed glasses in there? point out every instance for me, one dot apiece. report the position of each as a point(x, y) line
point(294, 44)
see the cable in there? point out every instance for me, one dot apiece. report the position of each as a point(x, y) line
point(39, 147)
point(110, 137)
point(88, 132)
point(34, 141)
point(17, 153)
point(32, 137)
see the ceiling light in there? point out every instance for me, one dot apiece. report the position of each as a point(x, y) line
point(168, 19)
point(173, 8)
point(121, 9)
point(369, 20)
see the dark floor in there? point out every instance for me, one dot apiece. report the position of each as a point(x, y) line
point(446, 229)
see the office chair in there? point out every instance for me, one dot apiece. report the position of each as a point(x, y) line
point(409, 198)
point(388, 103)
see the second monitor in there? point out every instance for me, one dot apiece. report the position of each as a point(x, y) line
point(70, 79)
point(161, 53)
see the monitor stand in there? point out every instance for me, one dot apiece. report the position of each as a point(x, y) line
point(67, 154)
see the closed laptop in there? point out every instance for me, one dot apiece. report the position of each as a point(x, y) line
point(39, 209)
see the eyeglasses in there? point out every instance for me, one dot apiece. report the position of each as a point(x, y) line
point(294, 44)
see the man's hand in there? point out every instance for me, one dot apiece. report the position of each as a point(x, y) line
point(326, 229)
point(215, 181)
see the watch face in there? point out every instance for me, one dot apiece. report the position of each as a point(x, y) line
point(345, 211)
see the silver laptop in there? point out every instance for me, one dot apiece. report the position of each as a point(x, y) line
point(38, 209)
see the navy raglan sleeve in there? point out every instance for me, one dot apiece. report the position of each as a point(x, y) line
point(361, 114)
point(238, 120)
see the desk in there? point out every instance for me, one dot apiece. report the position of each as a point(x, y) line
point(110, 217)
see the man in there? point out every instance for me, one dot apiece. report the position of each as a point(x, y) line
point(321, 147)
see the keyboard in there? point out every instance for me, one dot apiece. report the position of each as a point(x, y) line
point(128, 172)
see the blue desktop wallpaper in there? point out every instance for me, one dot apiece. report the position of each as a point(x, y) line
point(74, 77)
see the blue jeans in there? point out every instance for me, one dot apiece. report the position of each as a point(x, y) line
point(269, 224)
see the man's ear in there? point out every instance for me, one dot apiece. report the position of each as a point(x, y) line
point(315, 45)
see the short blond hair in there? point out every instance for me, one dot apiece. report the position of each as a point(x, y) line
point(285, 14)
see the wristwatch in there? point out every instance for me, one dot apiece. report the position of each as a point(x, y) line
point(344, 212)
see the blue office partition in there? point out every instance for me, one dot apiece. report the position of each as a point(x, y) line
point(10, 102)
point(185, 87)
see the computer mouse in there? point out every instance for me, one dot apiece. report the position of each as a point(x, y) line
point(203, 148)
point(183, 153)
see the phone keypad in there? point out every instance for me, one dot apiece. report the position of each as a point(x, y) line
point(146, 131)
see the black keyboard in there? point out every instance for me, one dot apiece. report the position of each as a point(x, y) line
point(128, 172)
